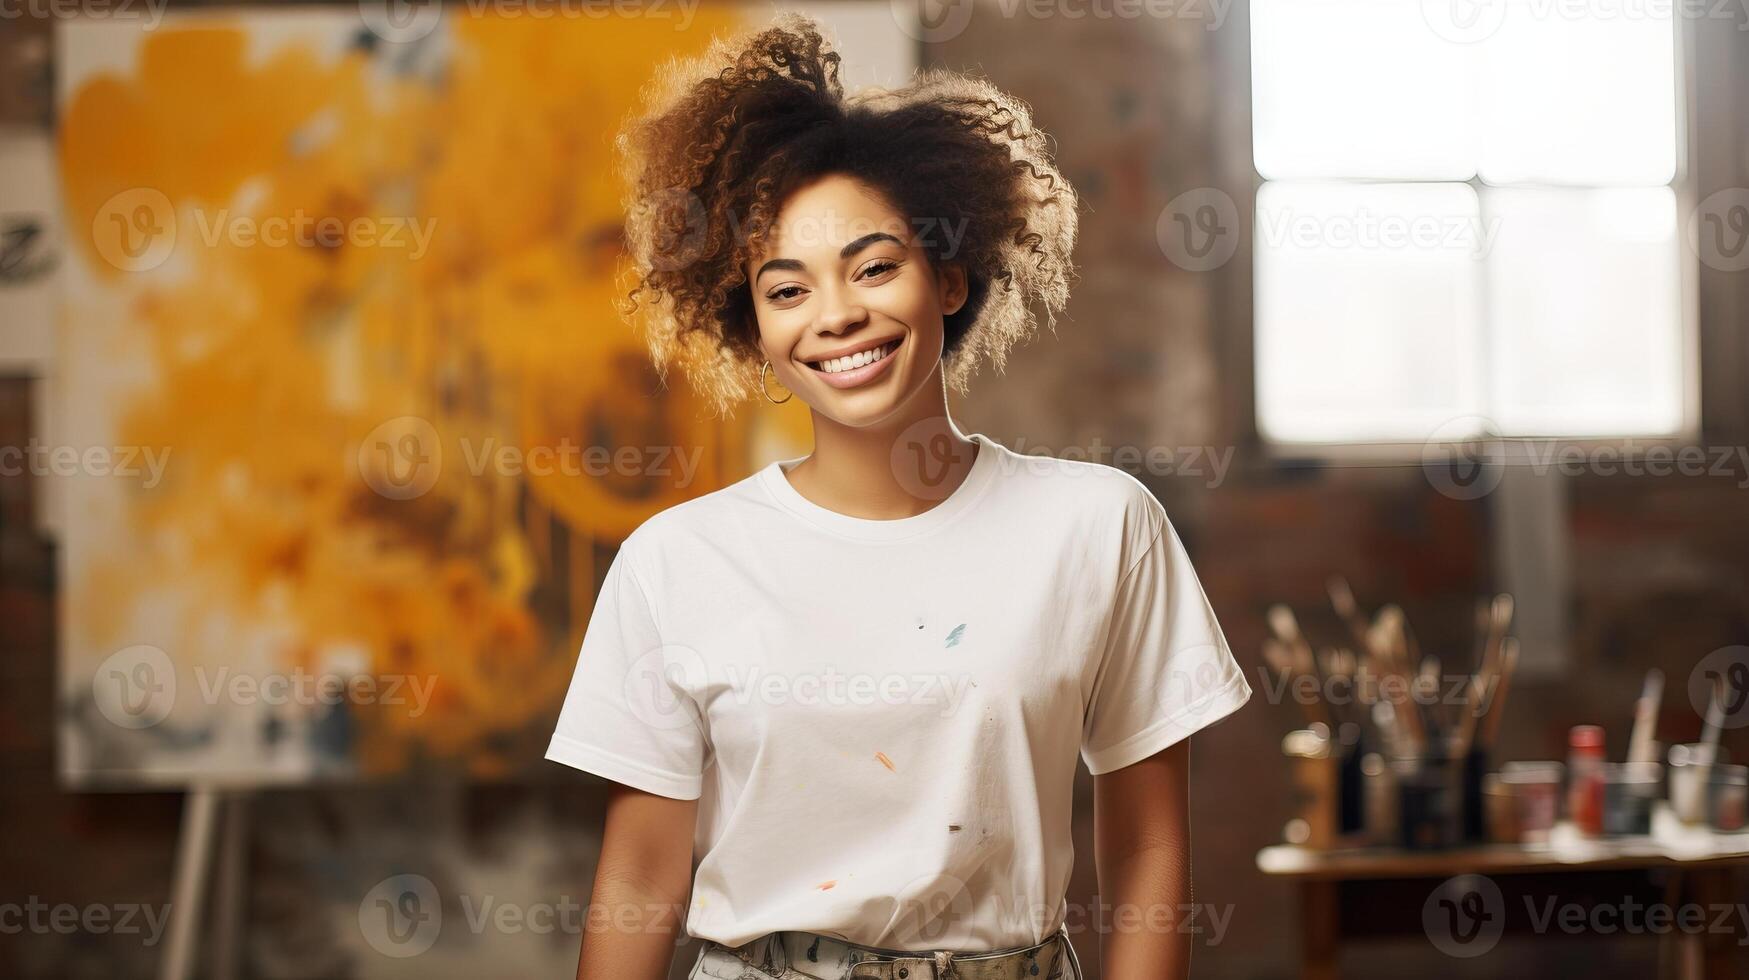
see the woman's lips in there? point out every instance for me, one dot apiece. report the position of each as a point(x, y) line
point(861, 375)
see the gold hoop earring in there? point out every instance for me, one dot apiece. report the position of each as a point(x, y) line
point(763, 367)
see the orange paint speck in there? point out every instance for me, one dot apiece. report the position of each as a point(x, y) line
point(827, 886)
point(882, 757)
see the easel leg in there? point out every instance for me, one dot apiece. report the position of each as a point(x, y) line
point(230, 891)
point(193, 850)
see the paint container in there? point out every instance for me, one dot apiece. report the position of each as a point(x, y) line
point(1381, 800)
point(1351, 781)
point(1585, 778)
point(1535, 788)
point(1629, 791)
point(1730, 798)
point(1429, 800)
point(1501, 810)
point(1475, 816)
point(1691, 767)
point(1314, 767)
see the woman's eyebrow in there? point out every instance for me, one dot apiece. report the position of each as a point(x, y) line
point(795, 265)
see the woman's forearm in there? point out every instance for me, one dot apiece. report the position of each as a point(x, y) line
point(631, 928)
point(1142, 852)
point(1148, 897)
point(637, 909)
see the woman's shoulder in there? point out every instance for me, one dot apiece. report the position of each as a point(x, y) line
point(1078, 481)
point(1087, 499)
point(685, 524)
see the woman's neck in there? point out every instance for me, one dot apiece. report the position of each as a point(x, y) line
point(896, 469)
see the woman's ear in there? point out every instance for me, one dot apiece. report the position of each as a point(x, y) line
point(953, 287)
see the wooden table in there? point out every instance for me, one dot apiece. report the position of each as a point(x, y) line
point(1675, 868)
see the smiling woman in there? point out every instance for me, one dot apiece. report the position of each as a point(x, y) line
point(857, 326)
point(949, 168)
point(866, 252)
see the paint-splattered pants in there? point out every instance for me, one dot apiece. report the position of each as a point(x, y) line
point(808, 956)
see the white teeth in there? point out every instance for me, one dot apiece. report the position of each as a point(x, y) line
point(860, 359)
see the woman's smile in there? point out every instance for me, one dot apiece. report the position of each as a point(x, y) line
point(857, 366)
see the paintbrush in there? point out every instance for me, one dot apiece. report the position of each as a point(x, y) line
point(1499, 620)
point(1280, 658)
point(1641, 747)
point(1384, 639)
point(1287, 629)
point(1342, 600)
point(1709, 733)
point(1497, 708)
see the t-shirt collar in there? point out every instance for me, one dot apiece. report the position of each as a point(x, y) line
point(984, 466)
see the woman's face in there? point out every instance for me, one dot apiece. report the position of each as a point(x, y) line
point(850, 311)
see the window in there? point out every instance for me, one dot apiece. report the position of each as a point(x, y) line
point(1469, 221)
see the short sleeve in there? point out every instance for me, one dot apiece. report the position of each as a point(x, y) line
point(624, 718)
point(1165, 669)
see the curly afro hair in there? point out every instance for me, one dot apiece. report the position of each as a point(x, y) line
point(727, 136)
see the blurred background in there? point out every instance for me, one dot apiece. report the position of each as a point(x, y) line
point(318, 432)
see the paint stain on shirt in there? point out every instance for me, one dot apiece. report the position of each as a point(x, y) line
point(881, 757)
point(827, 886)
point(953, 638)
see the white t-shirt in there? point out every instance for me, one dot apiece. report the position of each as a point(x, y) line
point(880, 718)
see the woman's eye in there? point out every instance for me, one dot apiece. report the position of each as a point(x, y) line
point(879, 267)
point(786, 292)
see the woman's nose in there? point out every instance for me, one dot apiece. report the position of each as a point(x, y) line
point(840, 311)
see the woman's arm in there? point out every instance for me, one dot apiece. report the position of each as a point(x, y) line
point(642, 887)
point(1141, 844)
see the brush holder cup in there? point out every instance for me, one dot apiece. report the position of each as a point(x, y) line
point(1429, 801)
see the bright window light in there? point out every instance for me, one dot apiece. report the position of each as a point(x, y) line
point(1581, 100)
point(1358, 88)
point(1585, 312)
point(1467, 215)
point(1366, 309)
